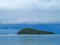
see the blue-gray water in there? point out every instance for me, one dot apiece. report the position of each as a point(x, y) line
point(13, 28)
point(30, 39)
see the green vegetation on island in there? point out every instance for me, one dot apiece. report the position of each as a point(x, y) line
point(33, 31)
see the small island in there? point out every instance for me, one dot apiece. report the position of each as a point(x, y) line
point(33, 31)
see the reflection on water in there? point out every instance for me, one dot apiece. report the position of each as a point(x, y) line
point(30, 40)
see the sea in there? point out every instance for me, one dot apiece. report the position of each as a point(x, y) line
point(30, 39)
point(14, 28)
point(9, 36)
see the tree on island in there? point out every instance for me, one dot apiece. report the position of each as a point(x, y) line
point(33, 31)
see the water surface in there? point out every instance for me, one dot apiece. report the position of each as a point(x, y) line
point(29, 39)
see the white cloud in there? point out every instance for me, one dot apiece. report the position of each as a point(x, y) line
point(48, 4)
point(14, 4)
point(30, 11)
point(30, 4)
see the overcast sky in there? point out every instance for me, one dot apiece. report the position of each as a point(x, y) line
point(30, 11)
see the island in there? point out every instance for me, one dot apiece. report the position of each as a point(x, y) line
point(33, 31)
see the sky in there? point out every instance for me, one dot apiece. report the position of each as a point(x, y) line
point(29, 11)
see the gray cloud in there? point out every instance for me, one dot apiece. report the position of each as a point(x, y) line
point(30, 11)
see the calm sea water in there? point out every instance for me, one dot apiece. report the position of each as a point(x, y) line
point(14, 28)
point(30, 39)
